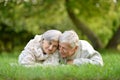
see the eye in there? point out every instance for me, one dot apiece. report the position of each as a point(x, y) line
point(55, 46)
point(60, 47)
point(49, 43)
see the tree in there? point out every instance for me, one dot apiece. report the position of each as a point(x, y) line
point(81, 26)
point(93, 18)
point(97, 43)
point(115, 40)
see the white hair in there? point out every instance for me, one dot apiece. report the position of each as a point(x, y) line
point(70, 37)
point(51, 35)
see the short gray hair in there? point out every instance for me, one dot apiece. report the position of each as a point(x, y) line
point(51, 35)
point(70, 37)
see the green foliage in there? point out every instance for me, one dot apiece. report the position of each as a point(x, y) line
point(9, 69)
point(37, 16)
point(100, 16)
point(25, 16)
point(28, 18)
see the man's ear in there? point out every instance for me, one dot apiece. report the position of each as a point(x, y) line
point(75, 49)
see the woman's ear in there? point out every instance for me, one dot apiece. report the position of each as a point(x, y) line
point(42, 40)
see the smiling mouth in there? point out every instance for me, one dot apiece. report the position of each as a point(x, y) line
point(62, 53)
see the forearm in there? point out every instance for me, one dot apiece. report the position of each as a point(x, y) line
point(94, 61)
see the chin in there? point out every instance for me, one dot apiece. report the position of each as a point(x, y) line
point(63, 56)
point(48, 52)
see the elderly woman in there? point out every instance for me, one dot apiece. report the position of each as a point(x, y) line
point(77, 52)
point(42, 50)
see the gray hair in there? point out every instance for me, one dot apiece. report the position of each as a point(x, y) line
point(70, 37)
point(51, 35)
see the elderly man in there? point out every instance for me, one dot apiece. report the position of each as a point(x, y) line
point(78, 52)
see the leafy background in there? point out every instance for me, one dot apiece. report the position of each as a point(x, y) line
point(21, 20)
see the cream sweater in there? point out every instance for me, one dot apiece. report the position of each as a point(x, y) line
point(85, 55)
point(32, 55)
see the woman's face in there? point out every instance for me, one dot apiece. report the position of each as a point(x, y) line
point(49, 47)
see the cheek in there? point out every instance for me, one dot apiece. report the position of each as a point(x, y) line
point(45, 46)
point(54, 49)
point(63, 52)
point(66, 51)
point(69, 53)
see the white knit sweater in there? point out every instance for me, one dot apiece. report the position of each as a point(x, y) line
point(85, 54)
point(32, 55)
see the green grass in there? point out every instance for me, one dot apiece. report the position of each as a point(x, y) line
point(110, 70)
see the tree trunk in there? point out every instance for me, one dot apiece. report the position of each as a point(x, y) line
point(84, 29)
point(115, 40)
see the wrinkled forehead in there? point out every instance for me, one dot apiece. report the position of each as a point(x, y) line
point(51, 38)
point(53, 42)
point(51, 35)
point(65, 44)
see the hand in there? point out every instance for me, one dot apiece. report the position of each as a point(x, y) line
point(70, 62)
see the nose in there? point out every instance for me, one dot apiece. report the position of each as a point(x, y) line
point(50, 47)
point(60, 49)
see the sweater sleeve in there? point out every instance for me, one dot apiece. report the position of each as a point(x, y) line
point(88, 56)
point(31, 53)
point(52, 59)
point(95, 58)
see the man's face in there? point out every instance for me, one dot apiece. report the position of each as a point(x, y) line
point(66, 50)
point(49, 47)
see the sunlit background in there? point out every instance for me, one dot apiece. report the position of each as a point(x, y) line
point(97, 21)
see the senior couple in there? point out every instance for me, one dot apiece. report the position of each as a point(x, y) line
point(54, 48)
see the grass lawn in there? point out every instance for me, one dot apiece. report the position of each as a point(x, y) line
point(110, 70)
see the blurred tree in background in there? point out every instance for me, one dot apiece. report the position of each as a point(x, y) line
point(94, 20)
point(99, 16)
